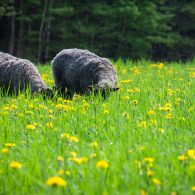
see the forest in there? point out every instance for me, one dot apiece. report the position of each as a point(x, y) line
point(149, 29)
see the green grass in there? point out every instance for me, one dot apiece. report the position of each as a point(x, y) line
point(151, 118)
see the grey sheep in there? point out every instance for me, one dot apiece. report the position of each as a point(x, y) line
point(18, 74)
point(80, 71)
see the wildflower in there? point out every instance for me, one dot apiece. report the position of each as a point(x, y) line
point(135, 102)
point(73, 154)
point(15, 165)
point(142, 124)
point(31, 127)
point(193, 188)
point(161, 130)
point(149, 173)
point(143, 192)
point(169, 115)
point(94, 145)
point(10, 145)
point(182, 157)
point(49, 125)
point(5, 150)
point(156, 182)
point(64, 135)
point(56, 181)
point(68, 173)
point(60, 172)
point(102, 164)
point(106, 111)
point(78, 160)
point(191, 154)
point(73, 139)
point(126, 81)
point(149, 160)
point(60, 158)
point(151, 112)
point(126, 97)
point(126, 115)
point(93, 155)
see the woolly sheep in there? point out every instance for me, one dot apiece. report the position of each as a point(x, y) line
point(17, 74)
point(80, 71)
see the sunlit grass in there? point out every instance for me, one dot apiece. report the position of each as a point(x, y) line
point(139, 140)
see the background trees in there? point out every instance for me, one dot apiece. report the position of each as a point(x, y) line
point(38, 29)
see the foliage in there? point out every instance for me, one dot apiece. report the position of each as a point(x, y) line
point(118, 29)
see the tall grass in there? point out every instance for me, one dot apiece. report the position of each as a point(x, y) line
point(144, 133)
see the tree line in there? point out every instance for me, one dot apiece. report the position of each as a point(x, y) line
point(152, 29)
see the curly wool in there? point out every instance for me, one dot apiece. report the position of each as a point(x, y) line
point(17, 74)
point(77, 70)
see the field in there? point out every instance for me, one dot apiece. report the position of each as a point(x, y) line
point(140, 140)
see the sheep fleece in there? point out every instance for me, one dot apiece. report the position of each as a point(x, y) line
point(17, 74)
point(76, 69)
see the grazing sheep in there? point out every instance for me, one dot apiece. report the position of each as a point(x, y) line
point(18, 74)
point(80, 71)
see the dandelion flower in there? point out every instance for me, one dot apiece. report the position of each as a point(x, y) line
point(191, 154)
point(60, 158)
point(10, 145)
point(78, 161)
point(149, 173)
point(102, 164)
point(193, 188)
point(5, 150)
point(49, 125)
point(156, 182)
point(182, 157)
point(15, 165)
point(94, 145)
point(31, 127)
point(56, 181)
point(135, 102)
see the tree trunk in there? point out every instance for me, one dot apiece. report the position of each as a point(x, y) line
point(48, 32)
point(12, 28)
point(41, 38)
point(21, 32)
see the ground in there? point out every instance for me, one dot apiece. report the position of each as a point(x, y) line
point(140, 140)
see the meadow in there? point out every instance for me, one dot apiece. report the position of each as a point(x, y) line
point(140, 140)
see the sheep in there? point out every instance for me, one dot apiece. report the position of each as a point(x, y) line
point(18, 74)
point(82, 72)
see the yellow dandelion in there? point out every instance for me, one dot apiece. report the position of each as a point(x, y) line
point(102, 164)
point(78, 160)
point(56, 181)
point(73, 139)
point(64, 135)
point(161, 130)
point(151, 112)
point(156, 181)
point(106, 111)
point(73, 154)
point(191, 154)
point(135, 102)
point(193, 188)
point(67, 173)
point(143, 192)
point(10, 145)
point(5, 150)
point(60, 158)
point(15, 165)
point(94, 155)
point(49, 125)
point(94, 145)
point(60, 172)
point(31, 127)
point(149, 173)
point(149, 160)
point(126, 97)
point(182, 157)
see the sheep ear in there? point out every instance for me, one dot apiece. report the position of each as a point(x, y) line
point(115, 89)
